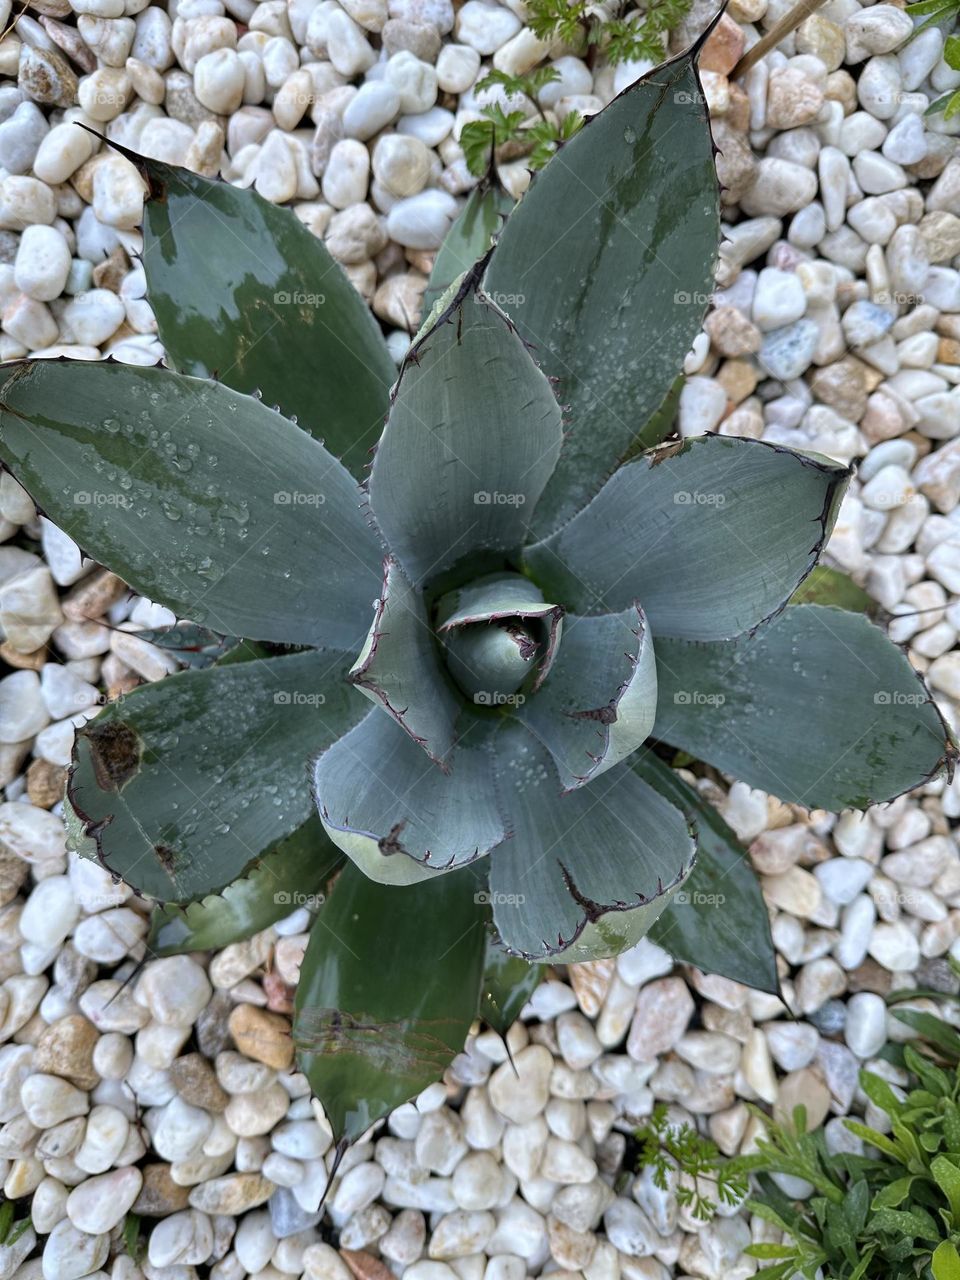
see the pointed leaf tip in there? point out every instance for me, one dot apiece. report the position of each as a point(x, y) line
point(281, 317)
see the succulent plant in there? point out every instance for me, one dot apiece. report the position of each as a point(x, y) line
point(453, 670)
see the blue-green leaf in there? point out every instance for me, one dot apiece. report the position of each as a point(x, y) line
point(186, 783)
point(583, 875)
point(679, 530)
point(609, 261)
point(399, 816)
point(824, 678)
point(455, 474)
point(197, 496)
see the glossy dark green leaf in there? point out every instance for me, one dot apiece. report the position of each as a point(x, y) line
point(244, 293)
point(397, 814)
point(508, 983)
point(718, 921)
point(584, 874)
point(197, 496)
point(388, 989)
point(829, 586)
point(609, 261)
point(929, 1027)
point(467, 240)
point(455, 474)
point(679, 530)
point(185, 783)
point(295, 872)
point(818, 708)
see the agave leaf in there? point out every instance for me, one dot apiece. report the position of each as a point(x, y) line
point(297, 871)
point(453, 474)
point(584, 875)
point(829, 586)
point(508, 983)
point(492, 598)
point(660, 424)
point(244, 293)
point(711, 537)
point(401, 818)
point(399, 668)
point(491, 662)
point(467, 240)
point(721, 925)
point(388, 989)
point(609, 261)
point(186, 783)
point(599, 702)
point(821, 677)
point(197, 496)
point(498, 597)
point(192, 646)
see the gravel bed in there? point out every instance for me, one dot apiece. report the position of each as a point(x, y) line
point(167, 1090)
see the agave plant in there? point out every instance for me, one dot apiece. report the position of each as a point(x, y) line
point(438, 727)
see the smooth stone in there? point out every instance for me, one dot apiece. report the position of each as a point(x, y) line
point(100, 1203)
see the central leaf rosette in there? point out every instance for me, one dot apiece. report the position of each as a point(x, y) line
point(510, 659)
point(500, 638)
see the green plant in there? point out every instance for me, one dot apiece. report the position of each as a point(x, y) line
point(605, 29)
point(890, 1214)
point(481, 139)
point(678, 1150)
point(11, 1228)
point(934, 12)
point(543, 617)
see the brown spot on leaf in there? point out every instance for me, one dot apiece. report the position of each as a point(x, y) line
point(403, 1048)
point(667, 451)
point(167, 857)
point(390, 843)
point(115, 753)
point(605, 715)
